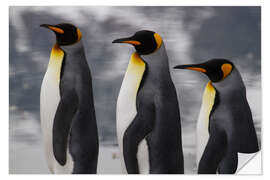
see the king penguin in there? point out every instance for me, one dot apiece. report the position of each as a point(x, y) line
point(66, 106)
point(148, 118)
point(225, 128)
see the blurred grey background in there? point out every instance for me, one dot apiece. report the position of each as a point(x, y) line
point(191, 35)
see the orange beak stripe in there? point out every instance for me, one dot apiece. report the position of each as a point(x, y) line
point(56, 29)
point(196, 69)
point(132, 42)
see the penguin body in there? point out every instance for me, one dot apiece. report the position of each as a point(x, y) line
point(148, 119)
point(232, 116)
point(225, 127)
point(67, 110)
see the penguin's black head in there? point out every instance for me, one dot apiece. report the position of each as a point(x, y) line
point(215, 69)
point(66, 34)
point(145, 42)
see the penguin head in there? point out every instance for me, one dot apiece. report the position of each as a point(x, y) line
point(216, 69)
point(145, 42)
point(66, 34)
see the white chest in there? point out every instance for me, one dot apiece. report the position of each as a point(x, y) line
point(203, 120)
point(126, 109)
point(49, 100)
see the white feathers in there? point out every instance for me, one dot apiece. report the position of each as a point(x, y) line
point(126, 110)
point(203, 120)
point(143, 157)
point(49, 100)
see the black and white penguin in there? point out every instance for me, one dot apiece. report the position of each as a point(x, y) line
point(67, 110)
point(148, 118)
point(225, 129)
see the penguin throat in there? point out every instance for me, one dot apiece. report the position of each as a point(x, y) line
point(208, 102)
point(136, 68)
point(209, 98)
point(56, 60)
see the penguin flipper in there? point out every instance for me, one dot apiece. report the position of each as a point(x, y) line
point(213, 154)
point(140, 127)
point(61, 127)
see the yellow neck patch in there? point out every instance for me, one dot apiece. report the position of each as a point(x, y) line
point(136, 68)
point(208, 100)
point(226, 69)
point(158, 40)
point(55, 63)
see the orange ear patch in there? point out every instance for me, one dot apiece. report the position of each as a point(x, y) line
point(226, 69)
point(56, 29)
point(79, 34)
point(158, 40)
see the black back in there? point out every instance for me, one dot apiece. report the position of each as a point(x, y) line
point(75, 117)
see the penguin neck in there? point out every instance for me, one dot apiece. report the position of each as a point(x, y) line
point(232, 84)
point(157, 64)
point(78, 46)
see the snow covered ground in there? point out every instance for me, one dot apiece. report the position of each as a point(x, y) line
point(28, 158)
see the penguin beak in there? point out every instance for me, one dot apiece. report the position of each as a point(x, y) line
point(129, 40)
point(53, 28)
point(194, 67)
